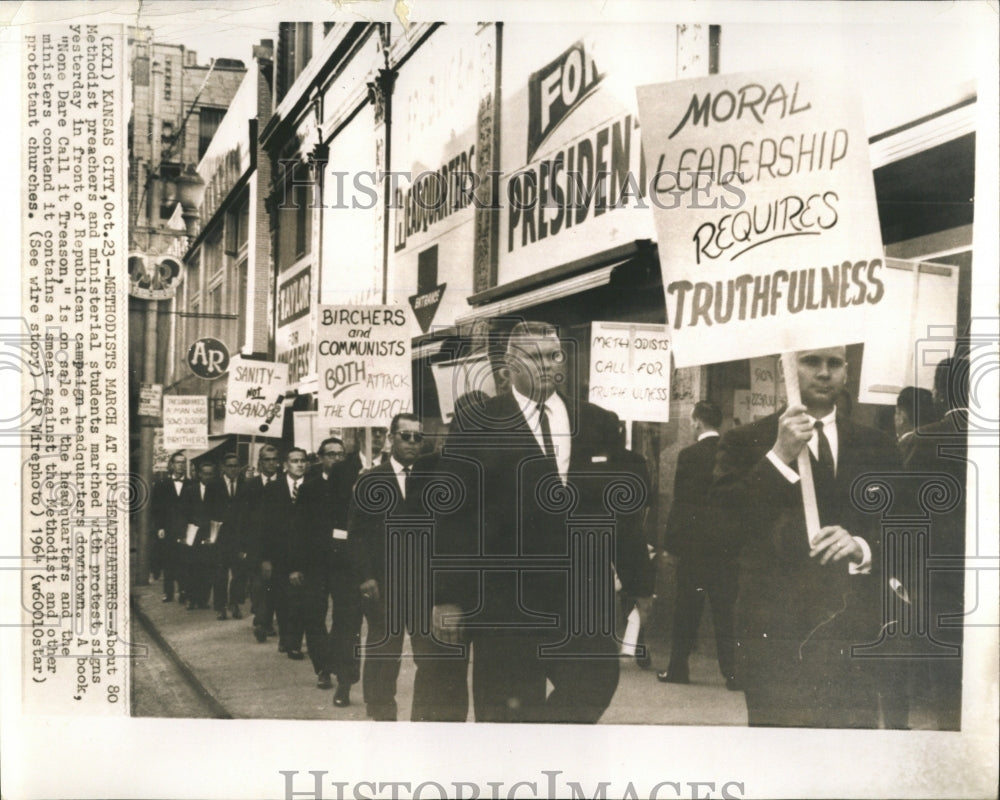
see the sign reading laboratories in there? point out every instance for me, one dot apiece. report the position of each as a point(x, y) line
point(765, 212)
point(363, 364)
point(255, 397)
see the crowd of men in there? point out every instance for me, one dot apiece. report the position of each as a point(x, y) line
point(511, 542)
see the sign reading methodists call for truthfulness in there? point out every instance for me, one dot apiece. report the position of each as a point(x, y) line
point(764, 204)
point(363, 364)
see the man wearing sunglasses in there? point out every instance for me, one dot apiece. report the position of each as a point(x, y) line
point(382, 495)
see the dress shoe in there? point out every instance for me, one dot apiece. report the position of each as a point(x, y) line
point(342, 697)
point(282, 648)
point(259, 634)
point(222, 615)
point(270, 631)
point(295, 655)
point(323, 681)
point(666, 676)
point(190, 605)
point(235, 610)
point(182, 597)
point(167, 598)
point(733, 684)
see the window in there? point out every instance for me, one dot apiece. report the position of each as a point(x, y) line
point(294, 217)
point(208, 124)
point(241, 304)
point(294, 52)
point(168, 79)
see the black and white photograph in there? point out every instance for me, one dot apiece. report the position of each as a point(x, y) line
point(626, 373)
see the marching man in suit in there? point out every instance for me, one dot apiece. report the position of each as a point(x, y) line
point(249, 536)
point(546, 464)
point(803, 604)
point(698, 536)
point(204, 506)
point(382, 493)
point(170, 525)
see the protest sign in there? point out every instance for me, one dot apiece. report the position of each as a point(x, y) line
point(363, 364)
point(255, 396)
point(185, 422)
point(630, 370)
point(765, 213)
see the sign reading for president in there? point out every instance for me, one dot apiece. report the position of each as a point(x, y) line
point(255, 397)
point(363, 364)
point(765, 213)
point(630, 370)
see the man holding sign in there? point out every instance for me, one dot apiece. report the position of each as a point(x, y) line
point(805, 601)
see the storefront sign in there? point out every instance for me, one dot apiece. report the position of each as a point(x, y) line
point(255, 397)
point(764, 203)
point(363, 364)
point(630, 370)
point(293, 340)
point(764, 375)
point(208, 358)
point(185, 422)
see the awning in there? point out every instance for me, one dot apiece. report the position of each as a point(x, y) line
point(214, 443)
point(544, 294)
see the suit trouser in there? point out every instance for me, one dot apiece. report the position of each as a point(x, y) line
point(510, 670)
point(261, 598)
point(383, 652)
point(220, 583)
point(441, 683)
point(240, 583)
point(818, 686)
point(171, 556)
point(694, 581)
point(341, 653)
point(291, 605)
point(200, 562)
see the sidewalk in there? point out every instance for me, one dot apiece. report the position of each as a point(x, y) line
point(252, 680)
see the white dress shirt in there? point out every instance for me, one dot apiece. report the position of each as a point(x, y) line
point(559, 428)
point(400, 472)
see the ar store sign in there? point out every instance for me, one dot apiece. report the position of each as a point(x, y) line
point(208, 358)
point(764, 204)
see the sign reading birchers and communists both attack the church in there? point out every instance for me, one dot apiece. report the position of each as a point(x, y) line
point(630, 370)
point(255, 396)
point(764, 202)
point(363, 364)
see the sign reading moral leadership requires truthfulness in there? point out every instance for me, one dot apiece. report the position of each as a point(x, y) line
point(363, 364)
point(764, 203)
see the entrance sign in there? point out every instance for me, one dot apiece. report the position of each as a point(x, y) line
point(764, 203)
point(255, 397)
point(363, 364)
point(185, 422)
point(630, 370)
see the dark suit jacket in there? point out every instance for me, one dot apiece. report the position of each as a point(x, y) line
point(376, 502)
point(325, 506)
point(282, 526)
point(786, 599)
point(518, 513)
point(941, 448)
point(168, 510)
point(201, 511)
point(697, 529)
point(246, 518)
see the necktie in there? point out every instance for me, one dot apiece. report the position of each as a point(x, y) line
point(825, 459)
point(295, 490)
point(543, 418)
point(406, 481)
